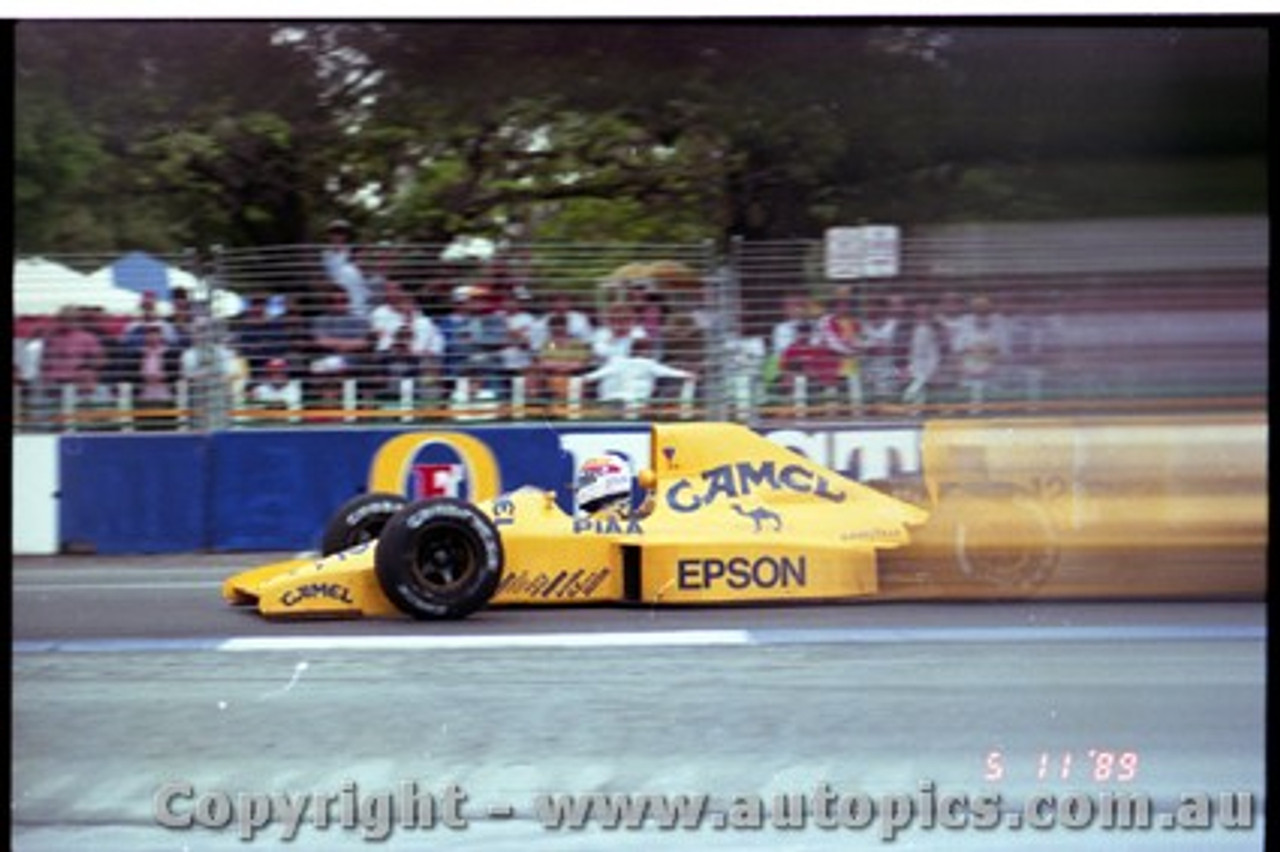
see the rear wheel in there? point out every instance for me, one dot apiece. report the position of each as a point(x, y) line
point(1005, 544)
point(439, 558)
point(359, 521)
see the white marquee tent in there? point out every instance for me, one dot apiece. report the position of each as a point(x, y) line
point(44, 287)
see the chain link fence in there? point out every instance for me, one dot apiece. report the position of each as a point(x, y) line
point(1126, 315)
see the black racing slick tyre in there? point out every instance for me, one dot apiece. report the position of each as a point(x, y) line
point(359, 520)
point(439, 559)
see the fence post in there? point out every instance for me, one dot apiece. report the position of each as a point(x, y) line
point(237, 401)
point(575, 398)
point(69, 407)
point(349, 401)
point(688, 389)
point(124, 404)
point(406, 398)
point(854, 382)
point(742, 403)
point(517, 397)
point(800, 396)
point(182, 399)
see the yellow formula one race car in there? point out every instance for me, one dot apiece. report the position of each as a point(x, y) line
point(733, 517)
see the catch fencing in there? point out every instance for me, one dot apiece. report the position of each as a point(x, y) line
point(1065, 317)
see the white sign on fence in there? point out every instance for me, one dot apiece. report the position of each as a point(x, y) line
point(867, 251)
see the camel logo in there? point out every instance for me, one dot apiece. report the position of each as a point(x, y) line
point(760, 516)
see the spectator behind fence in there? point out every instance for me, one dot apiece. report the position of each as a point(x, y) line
point(881, 372)
point(840, 331)
point(809, 357)
point(27, 351)
point(451, 324)
point(155, 370)
point(276, 389)
point(684, 342)
point(924, 354)
point(259, 336)
point(401, 312)
point(183, 316)
point(342, 269)
point(135, 331)
point(953, 320)
point(628, 381)
point(560, 359)
point(982, 348)
point(475, 336)
point(299, 348)
point(341, 343)
point(399, 362)
point(72, 355)
point(1036, 332)
point(407, 344)
point(377, 266)
point(796, 312)
point(524, 332)
point(577, 323)
point(617, 332)
point(210, 363)
point(651, 317)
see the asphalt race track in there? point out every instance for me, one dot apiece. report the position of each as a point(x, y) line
point(138, 694)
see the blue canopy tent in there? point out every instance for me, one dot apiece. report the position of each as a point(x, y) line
point(141, 273)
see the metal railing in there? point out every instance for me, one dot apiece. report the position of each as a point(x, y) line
point(1059, 317)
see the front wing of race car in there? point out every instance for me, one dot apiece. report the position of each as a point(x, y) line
point(341, 585)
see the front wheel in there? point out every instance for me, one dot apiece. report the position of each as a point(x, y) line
point(439, 558)
point(359, 520)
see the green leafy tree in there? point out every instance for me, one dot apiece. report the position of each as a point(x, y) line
point(166, 134)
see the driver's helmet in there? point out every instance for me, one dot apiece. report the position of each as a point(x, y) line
point(603, 482)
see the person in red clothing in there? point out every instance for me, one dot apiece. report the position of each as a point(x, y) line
point(841, 331)
point(810, 357)
point(72, 354)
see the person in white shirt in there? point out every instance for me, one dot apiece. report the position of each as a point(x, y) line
point(400, 311)
point(525, 334)
point(879, 337)
point(925, 354)
point(577, 323)
point(340, 265)
point(276, 390)
point(614, 337)
point(628, 381)
point(982, 348)
point(795, 310)
point(211, 361)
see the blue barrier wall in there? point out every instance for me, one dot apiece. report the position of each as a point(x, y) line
point(123, 494)
point(275, 490)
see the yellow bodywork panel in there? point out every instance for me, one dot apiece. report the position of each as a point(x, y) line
point(340, 585)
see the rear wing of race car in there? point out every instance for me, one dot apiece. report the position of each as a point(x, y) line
point(700, 465)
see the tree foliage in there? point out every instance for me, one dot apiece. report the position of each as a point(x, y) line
point(137, 134)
